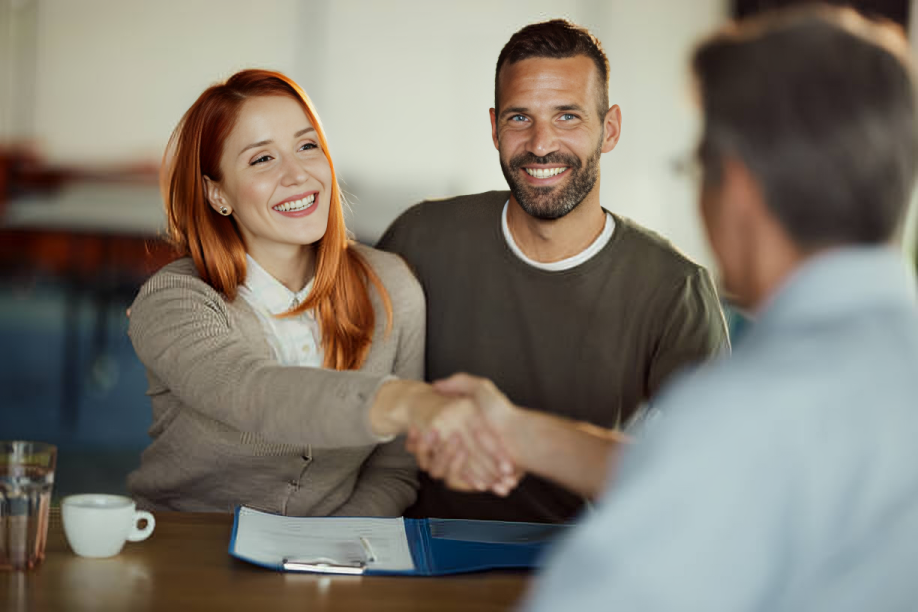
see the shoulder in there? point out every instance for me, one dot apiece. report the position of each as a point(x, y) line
point(654, 252)
point(667, 275)
point(719, 404)
point(177, 272)
point(402, 286)
point(173, 297)
point(177, 281)
point(459, 206)
point(444, 213)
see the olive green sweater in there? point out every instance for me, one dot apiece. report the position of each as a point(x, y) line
point(233, 427)
point(591, 343)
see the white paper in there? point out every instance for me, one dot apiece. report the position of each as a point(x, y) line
point(269, 539)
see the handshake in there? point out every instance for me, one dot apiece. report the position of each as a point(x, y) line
point(462, 430)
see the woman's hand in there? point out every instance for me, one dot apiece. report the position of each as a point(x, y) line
point(474, 452)
point(449, 461)
point(492, 431)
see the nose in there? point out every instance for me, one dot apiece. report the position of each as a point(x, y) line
point(543, 139)
point(293, 172)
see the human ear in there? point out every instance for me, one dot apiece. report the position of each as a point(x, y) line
point(741, 188)
point(611, 128)
point(215, 197)
point(494, 138)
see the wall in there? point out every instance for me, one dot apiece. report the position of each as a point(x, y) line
point(403, 87)
point(115, 76)
point(18, 49)
point(414, 123)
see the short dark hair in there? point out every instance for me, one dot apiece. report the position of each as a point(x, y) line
point(555, 39)
point(819, 103)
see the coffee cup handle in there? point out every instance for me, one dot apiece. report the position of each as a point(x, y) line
point(138, 534)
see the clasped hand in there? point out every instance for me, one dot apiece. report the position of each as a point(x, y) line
point(466, 438)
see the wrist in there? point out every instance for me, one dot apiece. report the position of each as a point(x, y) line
point(389, 412)
point(515, 428)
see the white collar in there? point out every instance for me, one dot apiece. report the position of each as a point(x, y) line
point(565, 264)
point(270, 292)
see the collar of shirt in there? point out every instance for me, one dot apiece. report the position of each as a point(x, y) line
point(565, 264)
point(270, 292)
point(842, 282)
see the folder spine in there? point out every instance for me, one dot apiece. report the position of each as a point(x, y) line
point(418, 532)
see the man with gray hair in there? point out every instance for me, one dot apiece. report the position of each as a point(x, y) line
point(781, 478)
point(786, 479)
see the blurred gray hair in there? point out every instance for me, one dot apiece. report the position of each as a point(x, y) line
point(820, 105)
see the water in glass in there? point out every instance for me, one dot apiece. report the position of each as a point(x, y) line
point(25, 499)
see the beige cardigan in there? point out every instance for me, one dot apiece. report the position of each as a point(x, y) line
point(233, 427)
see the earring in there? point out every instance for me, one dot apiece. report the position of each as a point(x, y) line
point(224, 210)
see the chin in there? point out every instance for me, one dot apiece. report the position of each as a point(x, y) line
point(311, 240)
point(312, 234)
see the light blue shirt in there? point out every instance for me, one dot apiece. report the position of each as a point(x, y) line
point(782, 478)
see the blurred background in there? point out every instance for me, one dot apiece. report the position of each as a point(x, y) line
point(90, 91)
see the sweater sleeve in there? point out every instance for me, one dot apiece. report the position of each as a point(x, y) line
point(695, 329)
point(388, 480)
point(185, 335)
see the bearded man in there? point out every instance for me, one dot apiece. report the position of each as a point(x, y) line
point(570, 309)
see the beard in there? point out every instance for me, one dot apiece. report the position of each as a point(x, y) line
point(555, 201)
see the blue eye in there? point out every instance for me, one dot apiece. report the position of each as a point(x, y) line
point(568, 116)
point(260, 160)
point(517, 118)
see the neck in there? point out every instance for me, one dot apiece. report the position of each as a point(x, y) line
point(292, 265)
point(777, 258)
point(549, 241)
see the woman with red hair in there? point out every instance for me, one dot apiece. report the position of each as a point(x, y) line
point(281, 356)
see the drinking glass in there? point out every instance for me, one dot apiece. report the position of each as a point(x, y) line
point(26, 479)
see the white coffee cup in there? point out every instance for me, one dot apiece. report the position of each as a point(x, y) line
point(97, 525)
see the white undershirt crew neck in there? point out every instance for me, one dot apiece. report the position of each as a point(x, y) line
point(564, 264)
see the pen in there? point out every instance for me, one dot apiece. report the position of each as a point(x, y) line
point(371, 556)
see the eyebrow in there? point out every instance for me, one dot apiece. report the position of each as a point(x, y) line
point(522, 109)
point(262, 143)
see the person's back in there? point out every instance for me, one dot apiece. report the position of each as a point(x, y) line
point(782, 478)
point(843, 359)
point(793, 462)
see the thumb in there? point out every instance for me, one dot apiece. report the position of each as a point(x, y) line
point(458, 384)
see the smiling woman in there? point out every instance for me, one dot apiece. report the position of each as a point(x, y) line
point(232, 147)
point(271, 344)
point(276, 182)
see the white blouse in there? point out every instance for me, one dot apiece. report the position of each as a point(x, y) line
point(297, 340)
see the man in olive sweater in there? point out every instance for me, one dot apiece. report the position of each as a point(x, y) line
point(569, 309)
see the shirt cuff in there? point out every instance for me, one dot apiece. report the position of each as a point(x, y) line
point(368, 403)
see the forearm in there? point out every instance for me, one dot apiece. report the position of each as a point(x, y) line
point(189, 341)
point(578, 456)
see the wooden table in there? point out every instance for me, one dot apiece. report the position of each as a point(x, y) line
point(184, 565)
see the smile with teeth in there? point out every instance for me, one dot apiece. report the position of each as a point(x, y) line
point(543, 173)
point(296, 204)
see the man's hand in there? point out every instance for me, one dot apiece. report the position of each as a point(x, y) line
point(451, 462)
point(451, 458)
point(432, 417)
